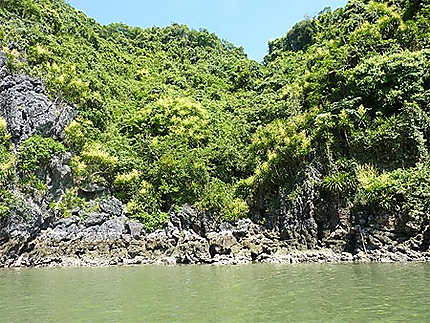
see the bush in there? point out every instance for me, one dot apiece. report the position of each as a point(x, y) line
point(8, 201)
point(7, 158)
point(403, 191)
point(126, 185)
point(94, 165)
point(71, 201)
point(219, 199)
point(152, 221)
point(35, 153)
point(146, 207)
point(77, 134)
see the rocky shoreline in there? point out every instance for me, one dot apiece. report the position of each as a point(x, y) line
point(109, 238)
point(34, 235)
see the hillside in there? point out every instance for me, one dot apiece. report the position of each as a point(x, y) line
point(327, 137)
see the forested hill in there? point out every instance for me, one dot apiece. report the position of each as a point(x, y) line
point(335, 123)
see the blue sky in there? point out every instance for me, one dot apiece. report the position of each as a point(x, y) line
point(247, 23)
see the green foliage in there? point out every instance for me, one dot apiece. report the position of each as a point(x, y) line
point(7, 171)
point(339, 183)
point(71, 201)
point(178, 117)
point(220, 200)
point(300, 37)
point(94, 165)
point(403, 191)
point(145, 207)
point(169, 116)
point(7, 158)
point(8, 201)
point(35, 153)
point(77, 134)
point(280, 149)
point(126, 185)
point(152, 221)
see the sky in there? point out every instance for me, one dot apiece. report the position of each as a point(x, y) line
point(247, 23)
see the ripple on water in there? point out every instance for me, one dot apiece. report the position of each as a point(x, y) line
point(252, 293)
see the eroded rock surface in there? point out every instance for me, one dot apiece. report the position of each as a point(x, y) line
point(303, 231)
point(25, 106)
point(110, 238)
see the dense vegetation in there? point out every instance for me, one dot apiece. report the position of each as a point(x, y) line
point(338, 113)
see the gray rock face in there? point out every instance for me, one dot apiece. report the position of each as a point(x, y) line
point(135, 228)
point(112, 206)
point(192, 249)
point(221, 243)
point(59, 177)
point(188, 218)
point(27, 109)
point(104, 239)
point(95, 219)
point(25, 222)
point(113, 229)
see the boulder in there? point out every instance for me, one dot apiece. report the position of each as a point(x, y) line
point(245, 227)
point(192, 249)
point(189, 218)
point(221, 242)
point(112, 206)
point(158, 241)
point(113, 229)
point(59, 178)
point(23, 223)
point(135, 228)
point(65, 222)
point(95, 219)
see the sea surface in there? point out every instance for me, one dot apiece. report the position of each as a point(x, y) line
point(251, 293)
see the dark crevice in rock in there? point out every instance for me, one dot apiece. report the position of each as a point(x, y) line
point(105, 239)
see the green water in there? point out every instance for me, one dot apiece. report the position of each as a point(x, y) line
point(254, 293)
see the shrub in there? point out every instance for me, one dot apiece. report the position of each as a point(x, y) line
point(339, 183)
point(35, 153)
point(94, 165)
point(7, 158)
point(219, 199)
point(8, 201)
point(152, 221)
point(78, 133)
point(70, 201)
point(403, 191)
point(146, 207)
point(126, 185)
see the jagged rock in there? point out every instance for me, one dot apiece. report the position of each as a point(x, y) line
point(221, 243)
point(135, 228)
point(158, 241)
point(226, 226)
point(59, 177)
point(172, 231)
point(347, 257)
point(104, 239)
point(112, 206)
point(113, 229)
point(93, 190)
point(56, 235)
point(27, 109)
point(95, 219)
point(245, 227)
point(192, 249)
point(189, 218)
point(65, 222)
point(23, 223)
point(3, 68)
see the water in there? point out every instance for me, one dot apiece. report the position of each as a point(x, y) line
point(254, 293)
